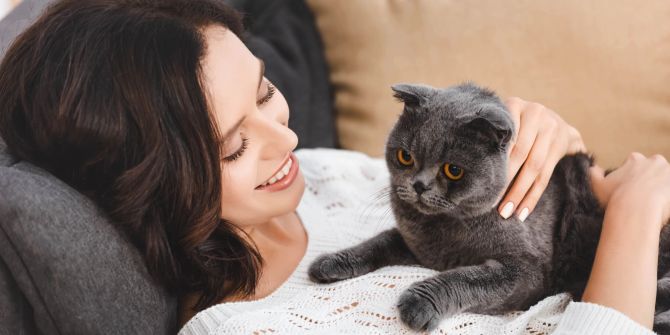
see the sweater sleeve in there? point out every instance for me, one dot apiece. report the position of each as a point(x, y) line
point(584, 318)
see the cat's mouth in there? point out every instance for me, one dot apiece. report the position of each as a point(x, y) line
point(427, 208)
point(426, 204)
point(422, 206)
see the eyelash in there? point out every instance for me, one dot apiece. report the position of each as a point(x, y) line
point(268, 96)
point(238, 153)
point(245, 141)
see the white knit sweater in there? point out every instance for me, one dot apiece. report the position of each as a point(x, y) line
point(346, 202)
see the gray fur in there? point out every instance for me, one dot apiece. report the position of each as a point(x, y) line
point(488, 264)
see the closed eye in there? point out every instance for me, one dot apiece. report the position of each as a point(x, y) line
point(245, 141)
point(239, 152)
point(270, 92)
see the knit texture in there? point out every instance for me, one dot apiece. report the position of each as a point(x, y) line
point(345, 202)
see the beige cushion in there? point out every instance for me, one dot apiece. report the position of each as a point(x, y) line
point(603, 65)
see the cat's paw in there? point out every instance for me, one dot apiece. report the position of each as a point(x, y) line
point(330, 268)
point(418, 309)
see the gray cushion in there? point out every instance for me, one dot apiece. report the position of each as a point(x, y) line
point(76, 271)
point(17, 20)
point(15, 312)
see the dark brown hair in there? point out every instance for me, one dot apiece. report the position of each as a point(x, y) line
point(108, 96)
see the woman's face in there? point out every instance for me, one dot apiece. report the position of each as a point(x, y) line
point(252, 117)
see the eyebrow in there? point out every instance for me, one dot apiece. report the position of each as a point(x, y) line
point(230, 132)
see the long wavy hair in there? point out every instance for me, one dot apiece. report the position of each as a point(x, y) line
point(108, 96)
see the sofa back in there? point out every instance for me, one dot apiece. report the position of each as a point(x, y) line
point(603, 65)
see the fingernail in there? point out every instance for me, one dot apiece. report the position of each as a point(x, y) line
point(524, 214)
point(507, 210)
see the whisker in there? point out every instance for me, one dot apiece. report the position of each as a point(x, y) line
point(380, 200)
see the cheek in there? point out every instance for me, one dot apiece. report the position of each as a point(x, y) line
point(238, 182)
point(402, 178)
point(479, 183)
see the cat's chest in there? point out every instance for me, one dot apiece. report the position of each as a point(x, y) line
point(441, 245)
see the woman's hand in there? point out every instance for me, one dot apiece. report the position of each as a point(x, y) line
point(636, 198)
point(640, 182)
point(542, 139)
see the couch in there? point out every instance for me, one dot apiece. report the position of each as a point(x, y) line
point(603, 65)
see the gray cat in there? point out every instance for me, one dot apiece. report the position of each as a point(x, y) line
point(447, 160)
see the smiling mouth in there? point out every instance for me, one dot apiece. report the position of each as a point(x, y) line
point(280, 173)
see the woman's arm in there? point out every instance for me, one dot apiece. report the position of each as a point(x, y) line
point(623, 276)
point(621, 291)
point(636, 198)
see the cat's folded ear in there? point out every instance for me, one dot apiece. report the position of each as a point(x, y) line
point(412, 95)
point(491, 125)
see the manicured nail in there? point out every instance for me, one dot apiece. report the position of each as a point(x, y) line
point(524, 214)
point(507, 210)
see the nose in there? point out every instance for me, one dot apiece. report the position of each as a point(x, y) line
point(277, 138)
point(419, 187)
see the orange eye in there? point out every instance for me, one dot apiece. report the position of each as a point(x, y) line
point(405, 158)
point(453, 172)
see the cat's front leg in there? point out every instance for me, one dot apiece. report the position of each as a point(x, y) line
point(386, 248)
point(425, 303)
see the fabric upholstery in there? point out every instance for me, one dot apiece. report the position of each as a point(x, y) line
point(78, 274)
point(15, 311)
point(604, 66)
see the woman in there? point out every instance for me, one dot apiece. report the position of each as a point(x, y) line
point(157, 111)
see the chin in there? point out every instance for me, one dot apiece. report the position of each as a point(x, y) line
point(300, 183)
point(427, 209)
point(297, 190)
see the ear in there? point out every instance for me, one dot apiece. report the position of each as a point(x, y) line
point(412, 94)
point(492, 125)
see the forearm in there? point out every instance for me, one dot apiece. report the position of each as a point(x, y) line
point(624, 271)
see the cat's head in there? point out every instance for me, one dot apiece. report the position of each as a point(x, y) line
point(447, 152)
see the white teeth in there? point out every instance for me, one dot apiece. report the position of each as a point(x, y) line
point(281, 174)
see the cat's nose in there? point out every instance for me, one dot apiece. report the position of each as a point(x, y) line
point(419, 187)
